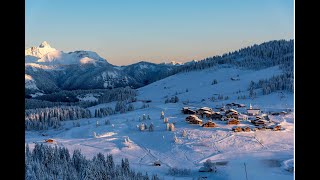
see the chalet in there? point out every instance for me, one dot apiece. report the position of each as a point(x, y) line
point(259, 122)
point(157, 163)
point(235, 78)
point(216, 115)
point(265, 117)
point(253, 112)
point(275, 127)
point(241, 105)
point(201, 110)
point(193, 119)
point(187, 110)
point(242, 117)
point(207, 114)
point(233, 121)
point(49, 140)
point(231, 110)
point(262, 127)
point(209, 124)
point(231, 113)
point(283, 113)
point(246, 129)
point(237, 129)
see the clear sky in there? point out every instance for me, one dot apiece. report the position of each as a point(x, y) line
point(128, 31)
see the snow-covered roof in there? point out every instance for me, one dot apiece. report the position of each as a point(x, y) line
point(205, 108)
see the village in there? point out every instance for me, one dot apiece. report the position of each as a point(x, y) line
point(246, 120)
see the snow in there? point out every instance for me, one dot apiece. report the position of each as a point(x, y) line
point(88, 97)
point(30, 82)
point(46, 55)
point(40, 51)
point(266, 153)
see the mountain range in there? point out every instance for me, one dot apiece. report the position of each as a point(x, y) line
point(49, 70)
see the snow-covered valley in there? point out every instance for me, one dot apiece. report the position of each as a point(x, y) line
point(260, 154)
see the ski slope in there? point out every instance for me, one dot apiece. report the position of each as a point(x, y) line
point(266, 153)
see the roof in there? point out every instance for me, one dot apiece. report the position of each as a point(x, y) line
point(207, 112)
point(205, 108)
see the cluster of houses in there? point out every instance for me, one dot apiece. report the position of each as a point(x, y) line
point(231, 116)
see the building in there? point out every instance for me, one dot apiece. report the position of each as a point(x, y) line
point(233, 121)
point(216, 115)
point(253, 112)
point(209, 124)
point(187, 110)
point(193, 119)
point(201, 110)
point(237, 129)
point(246, 129)
point(49, 140)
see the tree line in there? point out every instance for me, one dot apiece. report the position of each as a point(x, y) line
point(47, 162)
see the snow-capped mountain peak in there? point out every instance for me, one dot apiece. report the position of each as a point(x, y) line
point(34, 53)
point(46, 55)
point(44, 44)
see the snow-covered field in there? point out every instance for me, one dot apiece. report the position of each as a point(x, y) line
point(263, 154)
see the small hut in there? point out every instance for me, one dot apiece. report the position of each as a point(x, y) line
point(209, 124)
point(157, 163)
point(207, 113)
point(216, 115)
point(237, 129)
point(187, 110)
point(246, 129)
point(262, 127)
point(193, 119)
point(49, 140)
point(276, 127)
point(233, 121)
point(259, 122)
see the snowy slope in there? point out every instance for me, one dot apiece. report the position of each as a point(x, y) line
point(267, 154)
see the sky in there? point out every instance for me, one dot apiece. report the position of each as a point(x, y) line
point(127, 31)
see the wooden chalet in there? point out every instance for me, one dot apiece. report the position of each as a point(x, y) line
point(242, 117)
point(209, 124)
point(201, 110)
point(233, 121)
point(157, 163)
point(207, 114)
point(262, 127)
point(193, 119)
point(231, 113)
point(275, 127)
point(49, 140)
point(283, 113)
point(259, 122)
point(216, 115)
point(187, 110)
point(246, 129)
point(237, 129)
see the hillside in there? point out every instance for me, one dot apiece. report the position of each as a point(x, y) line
point(265, 152)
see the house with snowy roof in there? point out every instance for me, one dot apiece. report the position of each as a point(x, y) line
point(252, 112)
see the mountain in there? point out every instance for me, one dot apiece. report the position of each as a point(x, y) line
point(147, 72)
point(34, 53)
point(51, 70)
